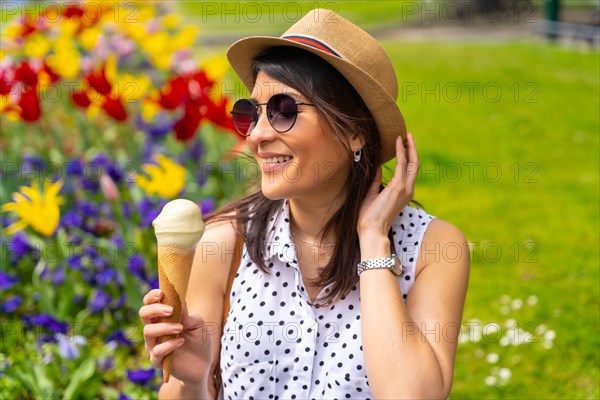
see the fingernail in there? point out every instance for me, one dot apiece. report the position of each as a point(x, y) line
point(157, 293)
point(167, 309)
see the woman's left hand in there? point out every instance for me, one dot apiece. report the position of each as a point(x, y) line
point(379, 210)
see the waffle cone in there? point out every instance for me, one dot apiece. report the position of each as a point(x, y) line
point(174, 267)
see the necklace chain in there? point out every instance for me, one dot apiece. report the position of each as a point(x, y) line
point(314, 243)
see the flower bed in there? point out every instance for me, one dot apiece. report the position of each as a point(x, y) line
point(105, 116)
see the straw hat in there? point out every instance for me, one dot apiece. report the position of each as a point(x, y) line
point(350, 50)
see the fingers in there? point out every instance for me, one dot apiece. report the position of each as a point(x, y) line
point(153, 296)
point(413, 161)
point(154, 331)
point(152, 310)
point(161, 350)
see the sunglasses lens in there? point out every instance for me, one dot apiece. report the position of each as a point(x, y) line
point(244, 116)
point(282, 112)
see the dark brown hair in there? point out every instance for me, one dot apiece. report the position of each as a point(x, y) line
point(341, 107)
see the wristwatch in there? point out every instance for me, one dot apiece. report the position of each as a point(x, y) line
point(392, 263)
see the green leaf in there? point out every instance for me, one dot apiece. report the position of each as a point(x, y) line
point(27, 380)
point(81, 375)
point(44, 384)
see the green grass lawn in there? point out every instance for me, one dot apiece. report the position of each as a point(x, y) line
point(246, 17)
point(528, 187)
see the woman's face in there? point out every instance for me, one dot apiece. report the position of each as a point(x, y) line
point(308, 161)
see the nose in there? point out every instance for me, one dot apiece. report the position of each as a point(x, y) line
point(262, 131)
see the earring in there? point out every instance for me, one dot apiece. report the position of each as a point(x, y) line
point(357, 155)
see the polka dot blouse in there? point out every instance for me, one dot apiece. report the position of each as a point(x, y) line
point(276, 345)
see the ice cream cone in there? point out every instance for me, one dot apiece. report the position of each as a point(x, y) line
point(178, 228)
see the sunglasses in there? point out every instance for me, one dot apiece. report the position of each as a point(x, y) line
point(282, 111)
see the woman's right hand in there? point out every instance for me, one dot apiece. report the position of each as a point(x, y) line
point(192, 350)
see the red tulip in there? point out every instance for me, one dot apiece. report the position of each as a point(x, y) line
point(51, 74)
point(174, 94)
point(81, 99)
point(186, 127)
point(30, 106)
point(218, 114)
point(28, 26)
point(72, 11)
point(114, 108)
point(99, 82)
point(26, 74)
point(6, 84)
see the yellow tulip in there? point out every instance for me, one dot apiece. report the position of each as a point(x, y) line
point(165, 179)
point(65, 60)
point(36, 208)
point(185, 38)
point(149, 109)
point(132, 88)
point(36, 46)
point(89, 37)
point(171, 21)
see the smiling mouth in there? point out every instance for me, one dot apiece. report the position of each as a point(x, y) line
point(277, 160)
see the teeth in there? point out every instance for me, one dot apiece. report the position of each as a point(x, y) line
point(277, 160)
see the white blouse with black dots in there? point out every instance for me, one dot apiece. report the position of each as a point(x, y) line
point(277, 346)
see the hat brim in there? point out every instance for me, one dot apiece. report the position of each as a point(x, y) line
point(383, 107)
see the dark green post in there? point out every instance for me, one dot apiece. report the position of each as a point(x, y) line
point(552, 14)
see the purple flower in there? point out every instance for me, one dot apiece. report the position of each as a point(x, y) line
point(141, 376)
point(45, 272)
point(148, 151)
point(157, 130)
point(100, 160)
point(19, 246)
point(101, 263)
point(86, 208)
point(117, 242)
point(11, 304)
point(207, 205)
point(58, 276)
point(71, 219)
point(119, 337)
point(91, 252)
point(32, 166)
point(6, 220)
point(153, 282)
point(148, 213)
point(98, 301)
point(122, 396)
point(126, 209)
point(45, 338)
point(74, 261)
point(119, 302)
point(74, 240)
point(135, 264)
point(106, 276)
point(91, 182)
point(196, 150)
point(114, 171)
point(73, 168)
point(7, 281)
point(68, 346)
point(105, 363)
point(48, 322)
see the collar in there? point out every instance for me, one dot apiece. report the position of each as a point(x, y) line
point(279, 237)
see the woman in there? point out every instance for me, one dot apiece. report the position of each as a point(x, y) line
point(321, 306)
